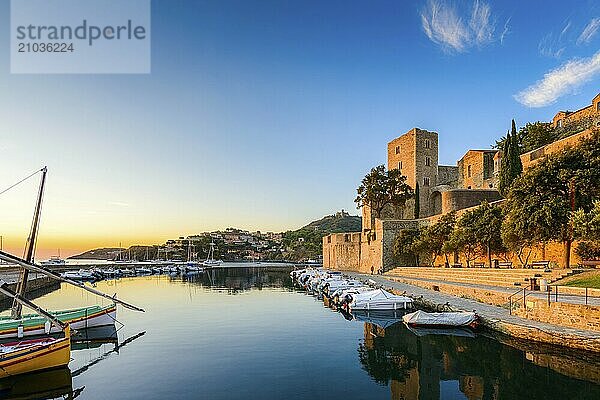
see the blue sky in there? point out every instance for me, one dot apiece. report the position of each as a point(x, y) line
point(265, 115)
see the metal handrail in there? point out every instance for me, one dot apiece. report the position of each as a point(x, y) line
point(510, 299)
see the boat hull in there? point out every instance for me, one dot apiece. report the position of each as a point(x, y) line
point(82, 318)
point(36, 358)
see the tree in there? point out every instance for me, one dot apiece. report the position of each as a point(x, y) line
point(433, 238)
point(486, 222)
point(477, 232)
point(535, 135)
point(405, 247)
point(463, 239)
point(538, 206)
point(587, 230)
point(587, 225)
point(511, 167)
point(515, 154)
point(382, 187)
point(417, 202)
point(503, 179)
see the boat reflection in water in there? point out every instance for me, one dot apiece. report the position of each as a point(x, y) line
point(234, 280)
point(55, 383)
point(433, 364)
point(92, 338)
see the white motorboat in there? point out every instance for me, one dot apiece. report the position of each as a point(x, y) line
point(111, 272)
point(442, 320)
point(81, 275)
point(377, 299)
point(54, 261)
point(143, 271)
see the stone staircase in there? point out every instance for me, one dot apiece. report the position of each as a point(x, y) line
point(507, 278)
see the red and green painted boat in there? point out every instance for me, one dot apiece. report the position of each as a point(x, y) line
point(77, 318)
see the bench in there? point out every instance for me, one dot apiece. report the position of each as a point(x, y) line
point(505, 264)
point(590, 263)
point(540, 264)
point(456, 265)
point(478, 265)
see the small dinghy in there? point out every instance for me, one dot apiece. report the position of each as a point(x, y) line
point(442, 320)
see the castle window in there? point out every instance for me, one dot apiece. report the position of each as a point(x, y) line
point(426, 181)
point(427, 144)
point(329, 239)
point(347, 237)
point(397, 149)
point(399, 164)
point(598, 106)
point(428, 161)
point(468, 171)
point(560, 123)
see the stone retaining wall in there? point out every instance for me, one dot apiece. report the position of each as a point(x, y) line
point(578, 316)
point(481, 295)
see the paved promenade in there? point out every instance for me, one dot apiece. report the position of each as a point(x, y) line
point(491, 314)
point(564, 298)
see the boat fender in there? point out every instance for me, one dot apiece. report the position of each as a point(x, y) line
point(20, 331)
point(47, 327)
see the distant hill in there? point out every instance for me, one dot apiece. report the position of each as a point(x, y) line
point(337, 223)
point(307, 242)
point(106, 253)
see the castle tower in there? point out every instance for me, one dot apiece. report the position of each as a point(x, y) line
point(415, 154)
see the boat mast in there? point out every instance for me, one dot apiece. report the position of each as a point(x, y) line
point(17, 307)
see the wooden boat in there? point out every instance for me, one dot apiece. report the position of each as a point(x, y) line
point(442, 320)
point(78, 318)
point(35, 355)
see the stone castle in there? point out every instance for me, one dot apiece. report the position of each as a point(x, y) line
point(442, 189)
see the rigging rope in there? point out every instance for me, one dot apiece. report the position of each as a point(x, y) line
point(21, 181)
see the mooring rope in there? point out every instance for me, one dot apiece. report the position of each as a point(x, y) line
point(21, 181)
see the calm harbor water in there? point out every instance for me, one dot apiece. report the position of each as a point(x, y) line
point(246, 333)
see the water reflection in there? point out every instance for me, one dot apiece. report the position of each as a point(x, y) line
point(237, 280)
point(432, 366)
point(56, 383)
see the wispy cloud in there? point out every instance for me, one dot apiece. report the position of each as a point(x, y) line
point(118, 204)
point(444, 24)
point(553, 45)
point(589, 31)
point(505, 31)
point(560, 81)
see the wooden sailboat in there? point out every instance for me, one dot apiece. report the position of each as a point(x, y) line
point(18, 325)
point(78, 318)
point(39, 354)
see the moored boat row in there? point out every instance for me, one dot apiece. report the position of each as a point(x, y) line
point(346, 293)
point(96, 274)
point(355, 297)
